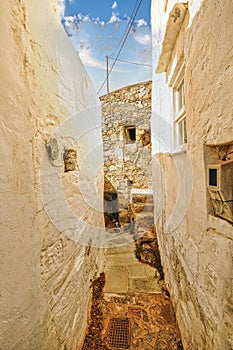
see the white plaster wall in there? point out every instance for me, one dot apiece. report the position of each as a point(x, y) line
point(161, 122)
point(162, 113)
point(159, 19)
point(197, 252)
point(46, 272)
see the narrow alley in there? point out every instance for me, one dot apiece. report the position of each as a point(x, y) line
point(131, 307)
point(116, 175)
point(134, 311)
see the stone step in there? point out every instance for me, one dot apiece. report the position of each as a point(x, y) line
point(144, 214)
point(146, 221)
point(143, 208)
point(142, 198)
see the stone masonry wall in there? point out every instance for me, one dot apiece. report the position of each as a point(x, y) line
point(127, 163)
point(195, 245)
point(45, 164)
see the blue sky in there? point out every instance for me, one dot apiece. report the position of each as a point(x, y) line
point(96, 28)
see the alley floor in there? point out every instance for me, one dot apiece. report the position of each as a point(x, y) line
point(130, 307)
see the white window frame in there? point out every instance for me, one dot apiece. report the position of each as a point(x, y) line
point(181, 133)
point(178, 102)
point(179, 98)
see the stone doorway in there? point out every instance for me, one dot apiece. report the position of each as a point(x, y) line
point(111, 214)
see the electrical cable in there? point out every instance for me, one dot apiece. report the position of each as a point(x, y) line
point(121, 47)
point(128, 25)
point(136, 63)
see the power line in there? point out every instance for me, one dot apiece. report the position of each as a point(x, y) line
point(128, 25)
point(136, 63)
point(121, 47)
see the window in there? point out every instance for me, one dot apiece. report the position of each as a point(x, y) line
point(180, 97)
point(175, 79)
point(130, 134)
point(182, 134)
point(179, 111)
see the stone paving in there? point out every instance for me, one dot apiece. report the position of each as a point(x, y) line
point(130, 292)
point(125, 274)
point(133, 290)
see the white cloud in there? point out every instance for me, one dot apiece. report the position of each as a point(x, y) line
point(102, 23)
point(69, 21)
point(83, 18)
point(61, 8)
point(141, 22)
point(79, 16)
point(86, 18)
point(114, 18)
point(89, 60)
point(143, 39)
point(70, 18)
point(93, 43)
point(114, 5)
point(97, 20)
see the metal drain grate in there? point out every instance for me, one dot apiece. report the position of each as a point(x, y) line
point(118, 333)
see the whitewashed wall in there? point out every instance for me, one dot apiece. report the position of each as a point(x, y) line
point(196, 247)
point(48, 256)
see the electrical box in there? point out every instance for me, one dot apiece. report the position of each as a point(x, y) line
point(220, 187)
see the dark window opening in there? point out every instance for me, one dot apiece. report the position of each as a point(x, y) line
point(213, 179)
point(131, 133)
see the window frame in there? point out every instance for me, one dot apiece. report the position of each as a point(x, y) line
point(177, 84)
point(181, 136)
point(179, 98)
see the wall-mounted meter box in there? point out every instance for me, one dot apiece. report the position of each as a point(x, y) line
point(220, 187)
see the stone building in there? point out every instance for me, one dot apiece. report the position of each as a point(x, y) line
point(192, 150)
point(50, 232)
point(127, 143)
